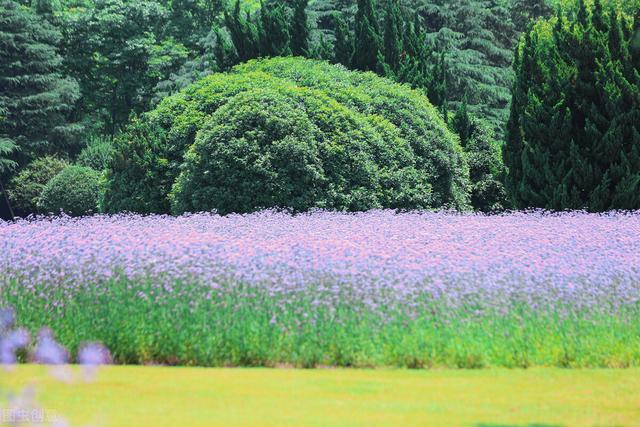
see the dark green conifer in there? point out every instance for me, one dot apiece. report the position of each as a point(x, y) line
point(274, 31)
point(300, 29)
point(343, 46)
point(393, 30)
point(368, 43)
point(35, 98)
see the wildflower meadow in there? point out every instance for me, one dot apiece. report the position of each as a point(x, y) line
point(372, 289)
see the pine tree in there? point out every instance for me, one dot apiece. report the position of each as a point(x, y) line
point(634, 45)
point(244, 33)
point(461, 122)
point(393, 30)
point(525, 11)
point(368, 43)
point(300, 29)
point(273, 30)
point(573, 135)
point(478, 38)
point(322, 49)
point(343, 46)
point(35, 98)
point(223, 51)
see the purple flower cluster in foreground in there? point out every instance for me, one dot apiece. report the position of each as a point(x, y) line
point(378, 258)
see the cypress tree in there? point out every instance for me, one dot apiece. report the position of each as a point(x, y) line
point(343, 46)
point(573, 134)
point(368, 42)
point(244, 33)
point(524, 11)
point(300, 29)
point(322, 49)
point(223, 51)
point(392, 35)
point(273, 31)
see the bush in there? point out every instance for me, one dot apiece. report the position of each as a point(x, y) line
point(97, 154)
point(486, 167)
point(288, 132)
point(75, 191)
point(26, 187)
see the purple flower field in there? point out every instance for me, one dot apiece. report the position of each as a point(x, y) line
point(207, 287)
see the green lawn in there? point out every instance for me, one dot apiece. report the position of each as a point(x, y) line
point(158, 396)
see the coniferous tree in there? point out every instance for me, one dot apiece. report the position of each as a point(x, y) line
point(273, 30)
point(322, 49)
point(393, 31)
point(223, 51)
point(573, 138)
point(367, 43)
point(119, 53)
point(35, 98)
point(525, 11)
point(478, 38)
point(343, 46)
point(300, 29)
point(244, 33)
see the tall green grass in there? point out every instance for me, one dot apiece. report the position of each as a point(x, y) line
point(184, 327)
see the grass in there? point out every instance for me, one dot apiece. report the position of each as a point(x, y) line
point(236, 330)
point(162, 396)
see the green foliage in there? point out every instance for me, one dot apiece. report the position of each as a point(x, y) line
point(574, 135)
point(35, 98)
point(97, 154)
point(525, 11)
point(244, 33)
point(145, 163)
point(237, 329)
point(293, 133)
point(343, 46)
point(393, 32)
point(300, 29)
point(26, 187)
point(74, 191)
point(273, 32)
point(119, 50)
point(484, 155)
point(7, 148)
point(190, 20)
point(478, 38)
point(368, 39)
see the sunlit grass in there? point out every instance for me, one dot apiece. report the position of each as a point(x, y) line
point(191, 396)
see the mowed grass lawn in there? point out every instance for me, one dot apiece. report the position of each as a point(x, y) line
point(160, 396)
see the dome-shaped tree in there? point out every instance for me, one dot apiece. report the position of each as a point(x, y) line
point(288, 133)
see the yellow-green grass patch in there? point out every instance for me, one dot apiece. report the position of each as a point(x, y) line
point(162, 396)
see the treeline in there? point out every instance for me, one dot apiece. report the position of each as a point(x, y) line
point(74, 72)
point(574, 130)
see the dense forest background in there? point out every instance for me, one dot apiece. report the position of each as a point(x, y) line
point(543, 95)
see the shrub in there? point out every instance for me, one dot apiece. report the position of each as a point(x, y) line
point(97, 154)
point(26, 187)
point(75, 191)
point(288, 132)
point(486, 167)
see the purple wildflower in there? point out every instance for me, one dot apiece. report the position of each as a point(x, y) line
point(48, 351)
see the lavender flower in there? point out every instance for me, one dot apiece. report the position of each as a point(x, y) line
point(48, 351)
point(94, 354)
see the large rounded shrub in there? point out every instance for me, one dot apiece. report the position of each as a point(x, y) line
point(74, 191)
point(288, 132)
point(26, 187)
